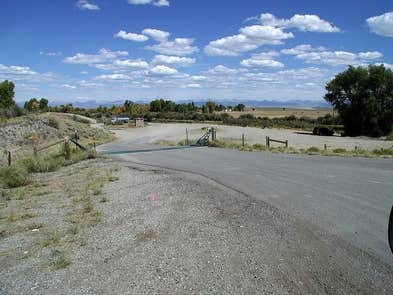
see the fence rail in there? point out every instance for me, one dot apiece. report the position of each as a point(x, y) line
point(268, 140)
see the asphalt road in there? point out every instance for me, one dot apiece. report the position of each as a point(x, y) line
point(348, 197)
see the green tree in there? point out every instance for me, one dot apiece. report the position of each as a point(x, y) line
point(7, 94)
point(43, 104)
point(364, 99)
point(32, 105)
point(240, 107)
point(211, 106)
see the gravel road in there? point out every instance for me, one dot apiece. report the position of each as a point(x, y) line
point(169, 232)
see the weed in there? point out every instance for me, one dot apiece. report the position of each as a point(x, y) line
point(104, 200)
point(313, 149)
point(14, 176)
point(16, 216)
point(53, 238)
point(339, 150)
point(60, 262)
point(73, 230)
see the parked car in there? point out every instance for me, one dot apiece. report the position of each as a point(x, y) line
point(323, 131)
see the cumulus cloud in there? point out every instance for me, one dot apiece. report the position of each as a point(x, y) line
point(68, 86)
point(158, 3)
point(23, 73)
point(250, 38)
point(131, 36)
point(381, 24)
point(263, 60)
point(222, 70)
point(157, 35)
point(85, 5)
point(173, 60)
point(179, 46)
point(306, 23)
point(103, 55)
point(162, 70)
point(321, 55)
point(116, 77)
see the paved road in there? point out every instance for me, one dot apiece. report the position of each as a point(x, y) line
point(349, 197)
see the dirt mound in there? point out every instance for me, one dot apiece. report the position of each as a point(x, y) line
point(18, 134)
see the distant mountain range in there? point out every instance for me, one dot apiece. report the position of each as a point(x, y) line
point(233, 102)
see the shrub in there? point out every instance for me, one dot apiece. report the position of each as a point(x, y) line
point(52, 122)
point(313, 149)
point(383, 152)
point(14, 176)
point(339, 150)
point(43, 164)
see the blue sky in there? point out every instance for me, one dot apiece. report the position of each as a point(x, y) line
point(106, 50)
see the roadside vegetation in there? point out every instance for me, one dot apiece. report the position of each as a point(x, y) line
point(228, 144)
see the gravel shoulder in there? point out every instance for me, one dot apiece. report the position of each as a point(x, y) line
point(164, 231)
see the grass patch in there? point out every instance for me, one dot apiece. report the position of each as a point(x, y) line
point(16, 216)
point(60, 261)
point(14, 176)
point(339, 151)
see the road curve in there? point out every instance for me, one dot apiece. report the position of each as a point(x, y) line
point(347, 197)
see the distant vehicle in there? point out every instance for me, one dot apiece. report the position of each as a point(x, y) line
point(323, 131)
point(120, 120)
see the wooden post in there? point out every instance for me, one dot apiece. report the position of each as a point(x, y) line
point(186, 136)
point(94, 143)
point(243, 139)
point(267, 142)
point(325, 147)
point(9, 158)
point(286, 143)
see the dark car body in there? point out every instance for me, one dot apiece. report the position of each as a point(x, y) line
point(323, 131)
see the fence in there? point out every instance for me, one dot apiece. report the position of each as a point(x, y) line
point(268, 140)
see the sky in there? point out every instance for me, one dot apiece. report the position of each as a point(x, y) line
point(110, 50)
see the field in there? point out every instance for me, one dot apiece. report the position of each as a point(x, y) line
point(283, 112)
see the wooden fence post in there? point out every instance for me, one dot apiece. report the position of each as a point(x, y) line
point(286, 143)
point(267, 142)
point(186, 136)
point(9, 158)
point(243, 139)
point(325, 147)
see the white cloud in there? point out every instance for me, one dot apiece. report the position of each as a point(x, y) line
point(103, 55)
point(58, 53)
point(67, 86)
point(192, 85)
point(116, 77)
point(161, 70)
point(128, 63)
point(16, 70)
point(322, 55)
point(262, 60)
point(179, 46)
point(159, 3)
point(20, 73)
point(250, 38)
point(131, 36)
point(157, 35)
point(222, 70)
point(173, 60)
point(306, 23)
point(85, 5)
point(381, 24)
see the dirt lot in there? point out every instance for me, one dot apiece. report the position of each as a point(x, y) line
point(283, 112)
point(297, 139)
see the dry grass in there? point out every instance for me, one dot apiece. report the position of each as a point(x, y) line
point(53, 212)
point(283, 112)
